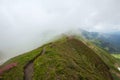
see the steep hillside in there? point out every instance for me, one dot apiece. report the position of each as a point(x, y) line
point(108, 41)
point(65, 59)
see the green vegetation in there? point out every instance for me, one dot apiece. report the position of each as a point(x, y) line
point(116, 55)
point(109, 42)
point(66, 59)
point(70, 60)
point(105, 56)
point(17, 72)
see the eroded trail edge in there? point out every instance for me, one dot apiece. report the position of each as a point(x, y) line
point(28, 69)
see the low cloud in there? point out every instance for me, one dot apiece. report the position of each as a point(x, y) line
point(27, 24)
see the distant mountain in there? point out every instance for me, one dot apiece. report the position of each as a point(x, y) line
point(108, 41)
point(68, 58)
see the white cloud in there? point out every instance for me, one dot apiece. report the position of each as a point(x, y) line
point(24, 22)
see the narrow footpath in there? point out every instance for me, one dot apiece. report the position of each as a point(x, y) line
point(28, 69)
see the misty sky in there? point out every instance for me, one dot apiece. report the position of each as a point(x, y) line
point(27, 24)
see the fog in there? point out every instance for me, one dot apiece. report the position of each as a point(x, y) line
point(28, 24)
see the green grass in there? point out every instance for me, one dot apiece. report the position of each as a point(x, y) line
point(70, 60)
point(105, 56)
point(116, 55)
point(65, 59)
point(17, 72)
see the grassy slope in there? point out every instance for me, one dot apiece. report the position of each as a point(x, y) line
point(17, 72)
point(116, 55)
point(105, 56)
point(68, 60)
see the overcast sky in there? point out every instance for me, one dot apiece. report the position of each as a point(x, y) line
point(26, 24)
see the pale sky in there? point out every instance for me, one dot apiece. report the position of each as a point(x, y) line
point(27, 24)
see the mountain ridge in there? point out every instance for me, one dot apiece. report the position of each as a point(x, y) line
point(66, 58)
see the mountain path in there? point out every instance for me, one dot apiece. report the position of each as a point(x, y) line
point(28, 69)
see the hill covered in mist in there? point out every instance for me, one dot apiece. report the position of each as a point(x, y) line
point(67, 58)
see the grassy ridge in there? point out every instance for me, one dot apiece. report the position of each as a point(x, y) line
point(70, 60)
point(65, 59)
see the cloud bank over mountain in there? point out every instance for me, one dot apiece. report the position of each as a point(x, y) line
point(25, 23)
point(46, 14)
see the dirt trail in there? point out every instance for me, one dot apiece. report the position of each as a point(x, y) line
point(28, 69)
